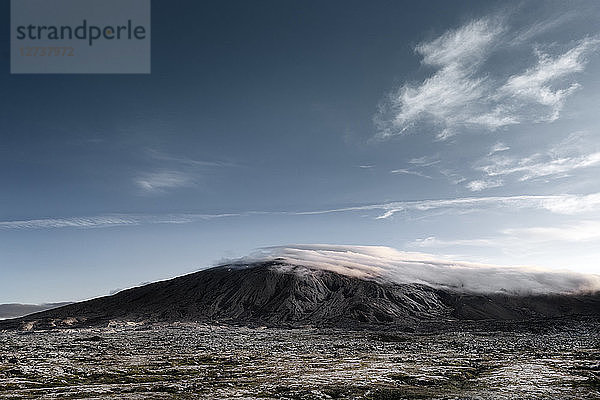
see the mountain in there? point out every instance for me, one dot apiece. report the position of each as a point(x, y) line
point(15, 310)
point(277, 293)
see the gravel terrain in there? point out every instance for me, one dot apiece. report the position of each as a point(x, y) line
point(466, 360)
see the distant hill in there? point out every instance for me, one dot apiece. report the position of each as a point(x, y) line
point(14, 310)
point(275, 293)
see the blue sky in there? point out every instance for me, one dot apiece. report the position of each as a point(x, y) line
point(467, 130)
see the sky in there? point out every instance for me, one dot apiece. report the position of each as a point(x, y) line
point(466, 130)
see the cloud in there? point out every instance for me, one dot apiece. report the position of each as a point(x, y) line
point(535, 85)
point(582, 231)
point(560, 204)
point(425, 161)
point(417, 165)
point(159, 155)
point(107, 221)
point(82, 222)
point(402, 171)
point(479, 185)
point(532, 30)
point(173, 171)
point(387, 264)
point(571, 244)
point(157, 182)
point(464, 92)
point(570, 204)
point(576, 232)
point(559, 161)
point(497, 148)
point(454, 177)
point(452, 90)
point(566, 204)
point(433, 241)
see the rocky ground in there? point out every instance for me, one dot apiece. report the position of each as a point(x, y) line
point(191, 360)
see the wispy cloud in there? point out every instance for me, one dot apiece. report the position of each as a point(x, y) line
point(571, 244)
point(162, 156)
point(577, 232)
point(173, 171)
point(419, 166)
point(424, 161)
point(453, 176)
point(539, 165)
point(158, 182)
point(107, 221)
point(464, 93)
point(75, 222)
point(403, 171)
point(432, 241)
point(575, 152)
point(479, 185)
point(582, 231)
point(572, 204)
point(497, 148)
point(536, 85)
point(559, 204)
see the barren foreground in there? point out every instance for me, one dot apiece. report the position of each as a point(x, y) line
point(470, 361)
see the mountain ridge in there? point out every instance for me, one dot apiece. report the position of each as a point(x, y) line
point(275, 293)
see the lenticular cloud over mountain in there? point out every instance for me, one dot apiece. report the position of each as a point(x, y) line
point(387, 264)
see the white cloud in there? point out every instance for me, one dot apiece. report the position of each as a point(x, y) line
point(425, 161)
point(452, 176)
point(81, 222)
point(178, 159)
point(403, 171)
point(464, 93)
point(479, 185)
point(582, 231)
point(569, 204)
point(107, 221)
point(174, 171)
point(538, 165)
point(387, 264)
point(560, 204)
point(574, 244)
point(577, 151)
point(159, 181)
point(536, 85)
point(433, 241)
point(497, 148)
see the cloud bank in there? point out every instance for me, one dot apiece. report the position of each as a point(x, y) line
point(387, 264)
point(467, 90)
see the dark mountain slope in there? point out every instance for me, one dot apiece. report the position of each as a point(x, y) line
point(271, 294)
